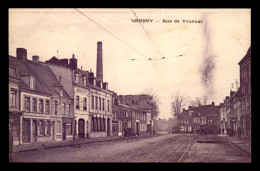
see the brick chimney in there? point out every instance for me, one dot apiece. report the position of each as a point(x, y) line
point(73, 62)
point(35, 58)
point(99, 62)
point(21, 53)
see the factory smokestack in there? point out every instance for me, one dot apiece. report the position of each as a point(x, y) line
point(99, 62)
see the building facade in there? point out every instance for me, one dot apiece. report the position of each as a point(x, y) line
point(92, 98)
point(245, 85)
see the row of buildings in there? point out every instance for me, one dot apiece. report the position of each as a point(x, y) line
point(55, 100)
point(232, 113)
point(235, 111)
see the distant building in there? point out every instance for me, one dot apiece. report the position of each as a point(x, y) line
point(190, 120)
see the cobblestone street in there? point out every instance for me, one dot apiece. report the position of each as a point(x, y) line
point(164, 148)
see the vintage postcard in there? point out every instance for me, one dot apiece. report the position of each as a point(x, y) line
point(129, 85)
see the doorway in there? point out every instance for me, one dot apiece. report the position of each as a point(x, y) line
point(64, 131)
point(81, 128)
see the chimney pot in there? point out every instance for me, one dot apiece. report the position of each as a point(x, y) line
point(35, 58)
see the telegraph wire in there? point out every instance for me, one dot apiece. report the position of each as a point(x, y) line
point(111, 33)
point(147, 34)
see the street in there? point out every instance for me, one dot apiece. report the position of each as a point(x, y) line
point(164, 148)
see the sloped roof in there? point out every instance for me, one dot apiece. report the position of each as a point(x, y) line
point(205, 110)
point(45, 80)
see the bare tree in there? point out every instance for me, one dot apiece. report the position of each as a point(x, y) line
point(155, 100)
point(178, 103)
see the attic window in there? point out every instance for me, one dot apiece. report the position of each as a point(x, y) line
point(77, 78)
point(32, 82)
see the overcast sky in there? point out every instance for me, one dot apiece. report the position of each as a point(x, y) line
point(217, 44)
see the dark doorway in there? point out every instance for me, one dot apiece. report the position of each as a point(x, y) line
point(137, 128)
point(34, 131)
point(26, 131)
point(81, 128)
point(64, 131)
point(108, 127)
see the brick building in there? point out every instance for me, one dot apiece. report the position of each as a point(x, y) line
point(190, 120)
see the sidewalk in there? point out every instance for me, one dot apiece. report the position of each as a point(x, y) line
point(44, 145)
point(244, 144)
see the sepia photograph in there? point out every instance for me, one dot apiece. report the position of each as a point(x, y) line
point(129, 85)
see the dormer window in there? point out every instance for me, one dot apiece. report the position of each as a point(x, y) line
point(77, 78)
point(32, 82)
point(84, 80)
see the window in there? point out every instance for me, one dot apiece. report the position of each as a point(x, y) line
point(85, 81)
point(77, 102)
point(103, 104)
point(63, 108)
point(92, 102)
point(108, 104)
point(13, 97)
point(96, 102)
point(41, 106)
point(32, 82)
point(56, 107)
point(47, 106)
point(77, 78)
point(27, 105)
point(68, 106)
point(34, 105)
point(85, 104)
point(40, 128)
point(99, 103)
point(59, 127)
point(69, 129)
point(48, 128)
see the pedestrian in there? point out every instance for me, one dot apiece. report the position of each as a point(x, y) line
point(222, 130)
point(239, 131)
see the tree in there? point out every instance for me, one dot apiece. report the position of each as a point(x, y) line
point(178, 103)
point(155, 101)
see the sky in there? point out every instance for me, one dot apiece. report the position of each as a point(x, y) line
point(201, 59)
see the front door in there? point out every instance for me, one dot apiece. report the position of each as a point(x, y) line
point(26, 131)
point(64, 131)
point(81, 128)
point(34, 131)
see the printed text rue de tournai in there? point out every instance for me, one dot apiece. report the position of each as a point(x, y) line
point(165, 21)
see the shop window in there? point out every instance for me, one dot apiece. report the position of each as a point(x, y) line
point(69, 129)
point(40, 128)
